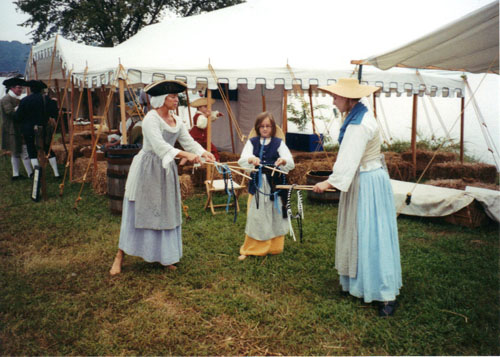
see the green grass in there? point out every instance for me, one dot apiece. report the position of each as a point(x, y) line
point(57, 298)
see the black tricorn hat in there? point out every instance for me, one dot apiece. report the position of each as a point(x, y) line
point(14, 81)
point(36, 84)
point(166, 86)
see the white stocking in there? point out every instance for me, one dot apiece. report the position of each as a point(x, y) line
point(15, 166)
point(26, 161)
point(53, 164)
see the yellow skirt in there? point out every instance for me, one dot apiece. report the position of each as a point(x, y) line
point(261, 248)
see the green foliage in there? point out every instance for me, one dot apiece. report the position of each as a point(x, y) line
point(302, 115)
point(104, 22)
point(57, 298)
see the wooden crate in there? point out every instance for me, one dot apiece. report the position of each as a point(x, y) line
point(471, 216)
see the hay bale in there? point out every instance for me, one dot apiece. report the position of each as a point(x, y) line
point(226, 156)
point(60, 153)
point(299, 156)
point(187, 188)
point(455, 170)
point(80, 166)
point(298, 174)
point(461, 184)
point(100, 182)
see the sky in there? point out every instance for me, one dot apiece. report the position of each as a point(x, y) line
point(9, 29)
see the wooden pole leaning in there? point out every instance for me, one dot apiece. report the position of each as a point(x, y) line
point(189, 108)
point(121, 83)
point(209, 130)
point(92, 131)
point(230, 123)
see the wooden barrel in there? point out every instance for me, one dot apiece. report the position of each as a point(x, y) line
point(119, 160)
point(312, 178)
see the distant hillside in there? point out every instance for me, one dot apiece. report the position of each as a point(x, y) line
point(13, 56)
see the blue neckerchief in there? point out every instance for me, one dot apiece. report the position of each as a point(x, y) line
point(354, 117)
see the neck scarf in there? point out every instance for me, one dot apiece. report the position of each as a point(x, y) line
point(354, 117)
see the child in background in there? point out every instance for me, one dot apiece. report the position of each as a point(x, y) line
point(266, 216)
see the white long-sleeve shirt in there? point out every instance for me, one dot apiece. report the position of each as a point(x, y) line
point(351, 152)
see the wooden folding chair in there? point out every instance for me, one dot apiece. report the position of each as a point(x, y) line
point(217, 185)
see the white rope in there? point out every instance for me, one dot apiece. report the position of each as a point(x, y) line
point(428, 117)
point(447, 133)
point(386, 134)
point(484, 128)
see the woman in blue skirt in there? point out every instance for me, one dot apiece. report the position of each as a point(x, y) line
point(367, 246)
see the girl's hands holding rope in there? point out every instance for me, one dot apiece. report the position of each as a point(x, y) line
point(322, 186)
point(254, 161)
point(280, 162)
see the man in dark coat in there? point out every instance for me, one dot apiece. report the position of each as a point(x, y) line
point(36, 111)
point(12, 139)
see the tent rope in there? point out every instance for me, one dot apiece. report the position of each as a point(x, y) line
point(472, 98)
point(484, 129)
point(241, 136)
point(428, 117)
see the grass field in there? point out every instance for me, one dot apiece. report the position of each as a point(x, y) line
point(57, 298)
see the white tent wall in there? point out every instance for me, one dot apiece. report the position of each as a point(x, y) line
point(255, 42)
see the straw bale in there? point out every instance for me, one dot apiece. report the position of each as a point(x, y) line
point(299, 156)
point(226, 156)
point(424, 158)
point(80, 166)
point(60, 153)
point(454, 170)
point(100, 182)
point(187, 188)
point(298, 174)
point(400, 170)
point(460, 184)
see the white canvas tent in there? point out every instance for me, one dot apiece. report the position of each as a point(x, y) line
point(266, 45)
point(469, 44)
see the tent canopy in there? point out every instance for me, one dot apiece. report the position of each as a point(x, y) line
point(469, 44)
point(269, 42)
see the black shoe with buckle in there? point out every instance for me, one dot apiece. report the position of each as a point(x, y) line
point(387, 308)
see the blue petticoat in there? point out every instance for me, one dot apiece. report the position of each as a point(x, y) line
point(379, 267)
point(161, 246)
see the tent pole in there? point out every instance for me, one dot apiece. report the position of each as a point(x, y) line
point(263, 98)
point(312, 109)
point(209, 131)
point(122, 111)
point(284, 123)
point(374, 105)
point(230, 123)
point(360, 72)
point(462, 117)
point(414, 135)
point(189, 109)
point(71, 128)
point(91, 118)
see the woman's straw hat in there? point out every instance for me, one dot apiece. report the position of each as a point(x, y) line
point(349, 88)
point(166, 86)
point(201, 102)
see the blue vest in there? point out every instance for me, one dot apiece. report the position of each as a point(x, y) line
point(269, 156)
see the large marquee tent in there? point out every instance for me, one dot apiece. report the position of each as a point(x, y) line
point(262, 48)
